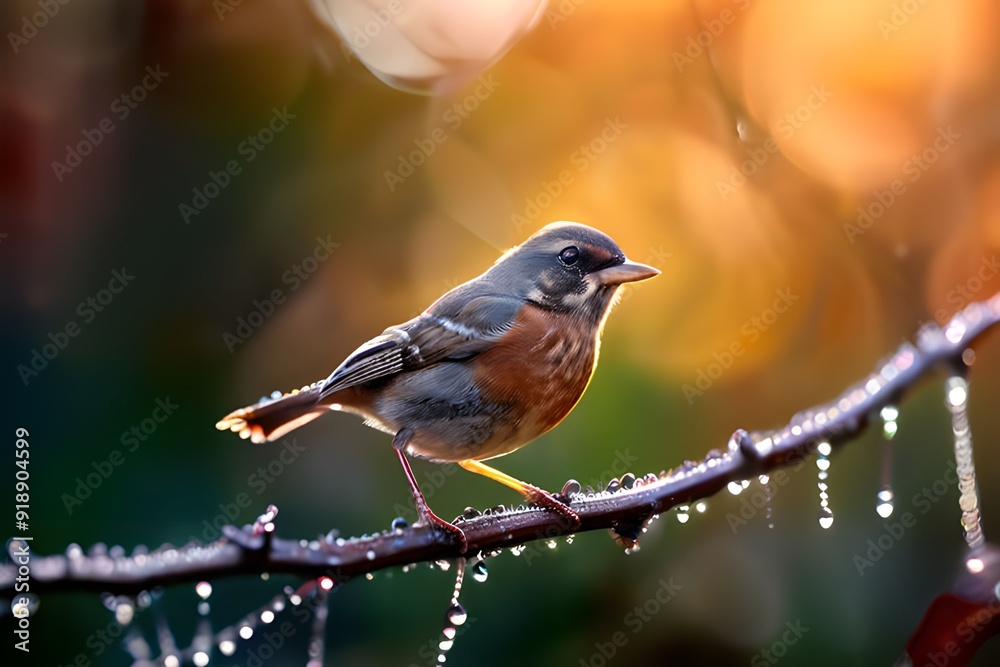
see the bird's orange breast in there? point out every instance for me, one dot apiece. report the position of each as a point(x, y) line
point(540, 368)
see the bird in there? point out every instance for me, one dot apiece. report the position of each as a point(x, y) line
point(484, 370)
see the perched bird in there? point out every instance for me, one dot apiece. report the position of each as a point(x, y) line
point(486, 369)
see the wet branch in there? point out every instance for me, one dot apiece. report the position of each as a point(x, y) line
point(630, 504)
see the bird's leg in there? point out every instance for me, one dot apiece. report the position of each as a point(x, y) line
point(423, 509)
point(532, 494)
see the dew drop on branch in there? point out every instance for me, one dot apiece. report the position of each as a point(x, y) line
point(457, 614)
point(957, 399)
point(823, 451)
point(765, 481)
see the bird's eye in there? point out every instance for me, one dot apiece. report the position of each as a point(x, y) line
point(570, 255)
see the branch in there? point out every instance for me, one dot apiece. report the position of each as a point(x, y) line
point(624, 508)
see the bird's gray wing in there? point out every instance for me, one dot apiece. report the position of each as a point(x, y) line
point(446, 331)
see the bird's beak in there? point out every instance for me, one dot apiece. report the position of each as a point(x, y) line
point(626, 272)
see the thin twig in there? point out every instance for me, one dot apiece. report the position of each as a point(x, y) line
point(245, 551)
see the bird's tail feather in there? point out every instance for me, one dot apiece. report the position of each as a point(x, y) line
point(272, 418)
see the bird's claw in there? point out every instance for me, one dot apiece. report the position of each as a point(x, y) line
point(433, 520)
point(542, 498)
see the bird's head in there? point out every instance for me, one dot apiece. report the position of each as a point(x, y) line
point(569, 267)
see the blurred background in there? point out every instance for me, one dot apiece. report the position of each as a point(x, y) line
point(201, 202)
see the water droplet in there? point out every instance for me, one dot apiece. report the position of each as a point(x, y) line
point(569, 539)
point(957, 394)
point(975, 565)
point(825, 517)
point(628, 480)
point(203, 589)
point(571, 487)
point(267, 616)
point(25, 605)
point(470, 513)
point(227, 647)
point(884, 506)
point(701, 506)
point(889, 415)
point(326, 583)
point(449, 632)
point(246, 632)
point(735, 488)
point(682, 513)
point(518, 550)
point(456, 614)
point(200, 659)
point(551, 544)
point(370, 555)
point(479, 572)
point(399, 523)
point(204, 608)
point(957, 390)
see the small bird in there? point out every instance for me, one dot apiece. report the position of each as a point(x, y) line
point(486, 369)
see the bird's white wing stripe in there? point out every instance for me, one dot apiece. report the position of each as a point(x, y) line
point(456, 327)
